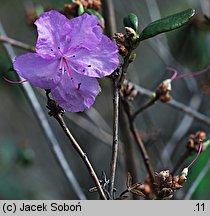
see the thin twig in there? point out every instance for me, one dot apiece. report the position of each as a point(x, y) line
point(116, 102)
point(140, 143)
point(16, 43)
point(81, 153)
point(108, 11)
point(125, 66)
point(130, 156)
point(42, 120)
point(145, 106)
point(177, 105)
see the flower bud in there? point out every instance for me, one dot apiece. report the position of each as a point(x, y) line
point(167, 83)
point(184, 172)
point(182, 180)
point(131, 33)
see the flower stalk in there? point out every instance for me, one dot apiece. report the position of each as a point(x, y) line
point(57, 113)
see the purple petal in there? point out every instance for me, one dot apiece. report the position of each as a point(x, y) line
point(100, 61)
point(40, 72)
point(52, 32)
point(84, 31)
point(73, 100)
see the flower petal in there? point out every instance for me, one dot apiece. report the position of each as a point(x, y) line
point(52, 32)
point(100, 61)
point(84, 31)
point(73, 100)
point(40, 72)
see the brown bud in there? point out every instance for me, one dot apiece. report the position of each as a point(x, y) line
point(147, 189)
point(130, 32)
point(176, 179)
point(31, 16)
point(182, 179)
point(164, 173)
point(201, 135)
point(165, 98)
point(123, 51)
point(190, 143)
point(178, 186)
point(69, 7)
point(120, 38)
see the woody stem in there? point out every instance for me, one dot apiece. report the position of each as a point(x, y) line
point(81, 153)
point(145, 106)
point(140, 143)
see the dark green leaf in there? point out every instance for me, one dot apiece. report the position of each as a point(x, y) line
point(167, 24)
point(100, 17)
point(131, 21)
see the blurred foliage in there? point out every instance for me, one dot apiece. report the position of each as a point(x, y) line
point(13, 158)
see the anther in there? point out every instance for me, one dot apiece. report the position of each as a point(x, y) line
point(51, 50)
point(89, 65)
point(79, 84)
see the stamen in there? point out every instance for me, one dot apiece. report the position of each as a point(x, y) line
point(78, 88)
point(192, 74)
point(173, 70)
point(199, 151)
point(14, 82)
point(70, 74)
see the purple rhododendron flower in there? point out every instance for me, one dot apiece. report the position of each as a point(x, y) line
point(70, 55)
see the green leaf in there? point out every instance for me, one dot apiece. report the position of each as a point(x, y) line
point(100, 17)
point(81, 9)
point(167, 24)
point(131, 21)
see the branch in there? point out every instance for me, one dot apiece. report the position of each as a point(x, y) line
point(108, 11)
point(116, 102)
point(177, 105)
point(125, 66)
point(145, 106)
point(16, 43)
point(57, 113)
point(140, 143)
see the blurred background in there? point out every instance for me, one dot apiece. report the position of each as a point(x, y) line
point(28, 168)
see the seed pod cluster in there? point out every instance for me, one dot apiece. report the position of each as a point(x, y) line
point(165, 184)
